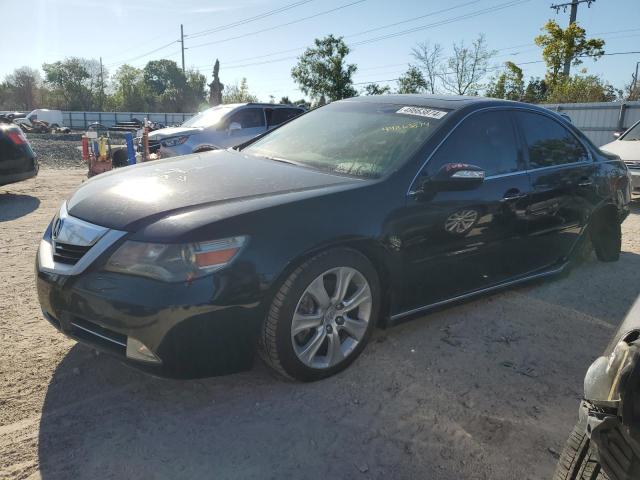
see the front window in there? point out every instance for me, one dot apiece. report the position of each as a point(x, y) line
point(632, 134)
point(352, 138)
point(208, 118)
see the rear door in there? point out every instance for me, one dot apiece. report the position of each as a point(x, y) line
point(277, 116)
point(563, 189)
point(457, 242)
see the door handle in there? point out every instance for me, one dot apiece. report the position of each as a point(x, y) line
point(585, 182)
point(513, 194)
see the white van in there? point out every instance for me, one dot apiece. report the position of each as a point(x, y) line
point(52, 117)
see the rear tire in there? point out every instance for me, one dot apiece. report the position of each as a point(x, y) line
point(606, 235)
point(336, 339)
point(576, 460)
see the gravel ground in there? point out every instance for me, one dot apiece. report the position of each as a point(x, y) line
point(485, 390)
point(56, 150)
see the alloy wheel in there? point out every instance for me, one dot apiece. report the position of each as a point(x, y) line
point(331, 317)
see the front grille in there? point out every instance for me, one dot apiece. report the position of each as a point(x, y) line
point(68, 253)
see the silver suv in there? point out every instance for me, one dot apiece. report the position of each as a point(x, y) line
point(220, 127)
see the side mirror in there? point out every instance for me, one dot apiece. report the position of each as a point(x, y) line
point(458, 176)
point(234, 126)
point(616, 134)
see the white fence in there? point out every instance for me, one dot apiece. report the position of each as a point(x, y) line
point(81, 120)
point(599, 121)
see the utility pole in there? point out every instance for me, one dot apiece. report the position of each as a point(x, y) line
point(182, 45)
point(572, 19)
point(635, 79)
point(101, 85)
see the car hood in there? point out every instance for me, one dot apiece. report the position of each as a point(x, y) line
point(131, 197)
point(173, 132)
point(626, 150)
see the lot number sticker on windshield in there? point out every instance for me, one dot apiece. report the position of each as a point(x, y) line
point(422, 112)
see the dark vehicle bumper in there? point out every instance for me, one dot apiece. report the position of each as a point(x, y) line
point(13, 177)
point(183, 325)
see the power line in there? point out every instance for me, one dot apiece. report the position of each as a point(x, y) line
point(144, 54)
point(278, 26)
point(391, 35)
point(248, 20)
point(495, 8)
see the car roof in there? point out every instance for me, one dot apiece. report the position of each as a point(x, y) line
point(257, 104)
point(451, 102)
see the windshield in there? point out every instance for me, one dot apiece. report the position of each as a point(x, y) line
point(632, 134)
point(353, 138)
point(208, 118)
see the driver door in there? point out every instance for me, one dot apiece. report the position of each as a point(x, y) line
point(242, 125)
point(455, 242)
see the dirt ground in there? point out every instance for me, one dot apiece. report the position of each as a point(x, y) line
point(484, 390)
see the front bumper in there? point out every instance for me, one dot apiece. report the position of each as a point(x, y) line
point(13, 177)
point(208, 326)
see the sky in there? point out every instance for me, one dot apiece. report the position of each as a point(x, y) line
point(264, 50)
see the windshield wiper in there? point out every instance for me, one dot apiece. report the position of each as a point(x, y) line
point(284, 160)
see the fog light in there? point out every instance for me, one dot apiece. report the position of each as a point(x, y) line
point(136, 350)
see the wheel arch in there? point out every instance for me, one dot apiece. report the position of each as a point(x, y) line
point(372, 250)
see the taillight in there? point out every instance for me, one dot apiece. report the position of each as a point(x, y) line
point(17, 137)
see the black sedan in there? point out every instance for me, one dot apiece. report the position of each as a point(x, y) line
point(364, 212)
point(17, 160)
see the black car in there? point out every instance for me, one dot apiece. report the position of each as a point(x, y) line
point(364, 212)
point(605, 443)
point(17, 160)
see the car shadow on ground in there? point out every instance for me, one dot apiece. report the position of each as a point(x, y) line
point(415, 405)
point(13, 206)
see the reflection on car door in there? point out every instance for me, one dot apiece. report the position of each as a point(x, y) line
point(455, 242)
point(563, 191)
point(251, 121)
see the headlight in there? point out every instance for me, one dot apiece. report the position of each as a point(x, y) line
point(174, 262)
point(173, 141)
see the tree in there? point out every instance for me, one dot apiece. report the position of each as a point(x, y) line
point(536, 91)
point(215, 87)
point(412, 81)
point(195, 91)
point(238, 93)
point(322, 71)
point(467, 67)
point(72, 83)
point(21, 87)
point(430, 60)
point(566, 45)
point(375, 89)
point(161, 75)
point(285, 101)
point(581, 89)
point(129, 91)
point(508, 85)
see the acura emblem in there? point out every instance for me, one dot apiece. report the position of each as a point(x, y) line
point(57, 226)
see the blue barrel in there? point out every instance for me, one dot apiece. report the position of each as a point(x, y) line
point(131, 152)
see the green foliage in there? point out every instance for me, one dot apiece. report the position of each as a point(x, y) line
point(322, 72)
point(72, 81)
point(536, 91)
point(581, 89)
point(238, 93)
point(21, 89)
point(509, 84)
point(412, 81)
point(285, 101)
point(565, 45)
point(375, 89)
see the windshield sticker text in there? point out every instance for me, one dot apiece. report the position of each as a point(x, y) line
point(422, 112)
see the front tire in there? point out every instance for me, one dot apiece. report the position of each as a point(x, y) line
point(576, 460)
point(322, 316)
